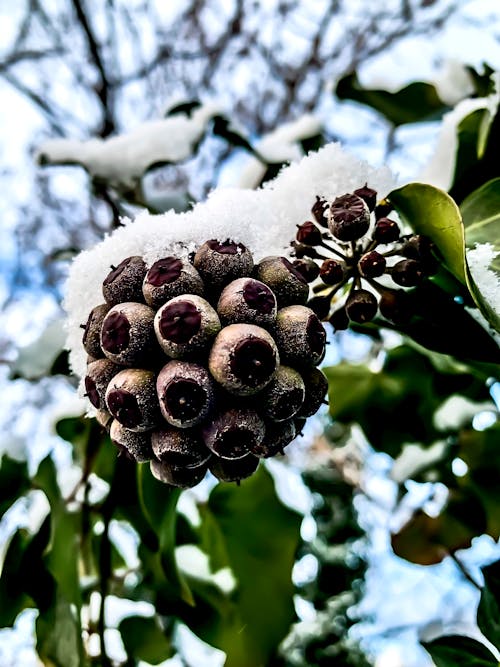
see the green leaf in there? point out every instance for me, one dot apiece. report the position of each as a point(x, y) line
point(416, 102)
point(395, 404)
point(144, 639)
point(456, 651)
point(488, 613)
point(260, 536)
point(431, 211)
point(14, 482)
point(58, 633)
point(159, 506)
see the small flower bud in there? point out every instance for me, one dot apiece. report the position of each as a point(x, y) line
point(319, 211)
point(124, 282)
point(169, 277)
point(186, 325)
point(349, 218)
point(243, 359)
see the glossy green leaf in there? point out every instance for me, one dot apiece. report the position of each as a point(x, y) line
point(14, 482)
point(144, 639)
point(260, 536)
point(13, 596)
point(416, 102)
point(431, 211)
point(488, 613)
point(395, 404)
point(458, 651)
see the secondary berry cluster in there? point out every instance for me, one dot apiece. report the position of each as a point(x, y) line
point(358, 260)
point(207, 362)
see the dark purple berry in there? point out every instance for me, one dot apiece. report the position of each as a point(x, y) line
point(186, 325)
point(184, 478)
point(395, 306)
point(349, 218)
point(243, 359)
point(232, 433)
point(300, 336)
point(386, 230)
point(332, 272)
point(278, 436)
point(124, 282)
point(319, 210)
point(247, 300)
point(179, 448)
point(316, 390)
point(127, 334)
point(92, 330)
point(361, 306)
point(284, 395)
point(282, 277)
point(186, 393)
point(339, 319)
point(407, 273)
point(372, 264)
point(99, 374)
point(137, 445)
point(233, 470)
point(169, 277)
point(220, 262)
point(131, 399)
point(368, 195)
point(320, 305)
point(308, 234)
point(308, 269)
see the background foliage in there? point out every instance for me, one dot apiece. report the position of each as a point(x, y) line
point(85, 530)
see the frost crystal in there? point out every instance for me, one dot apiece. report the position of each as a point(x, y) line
point(264, 220)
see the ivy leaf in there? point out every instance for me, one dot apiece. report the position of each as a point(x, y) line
point(457, 651)
point(14, 482)
point(416, 102)
point(144, 639)
point(431, 211)
point(259, 536)
point(488, 613)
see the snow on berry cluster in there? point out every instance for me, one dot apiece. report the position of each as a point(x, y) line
point(204, 363)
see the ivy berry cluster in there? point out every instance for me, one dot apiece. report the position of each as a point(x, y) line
point(359, 262)
point(208, 362)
